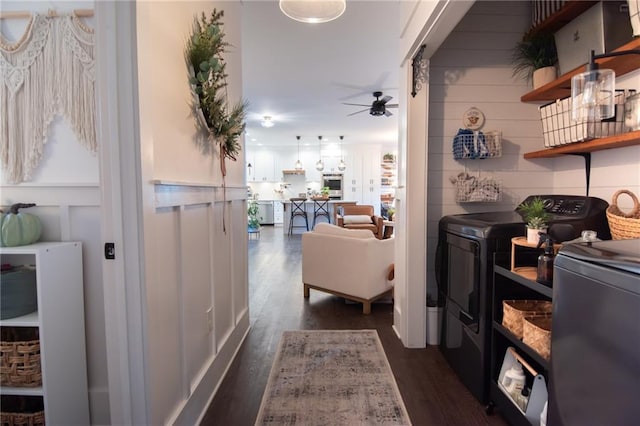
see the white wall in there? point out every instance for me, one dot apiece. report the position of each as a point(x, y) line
point(191, 264)
point(196, 272)
point(65, 186)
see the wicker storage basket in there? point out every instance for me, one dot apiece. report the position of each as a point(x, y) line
point(19, 410)
point(536, 333)
point(624, 226)
point(514, 311)
point(20, 359)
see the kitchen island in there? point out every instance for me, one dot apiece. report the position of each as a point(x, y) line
point(334, 208)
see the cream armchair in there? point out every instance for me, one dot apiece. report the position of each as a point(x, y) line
point(348, 263)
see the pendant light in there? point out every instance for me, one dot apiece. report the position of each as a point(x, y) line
point(298, 165)
point(593, 91)
point(320, 164)
point(341, 165)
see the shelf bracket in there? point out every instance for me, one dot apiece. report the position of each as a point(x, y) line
point(587, 166)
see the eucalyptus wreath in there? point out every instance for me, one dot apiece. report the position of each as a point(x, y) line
point(208, 79)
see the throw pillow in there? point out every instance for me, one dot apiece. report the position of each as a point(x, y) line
point(328, 229)
point(357, 219)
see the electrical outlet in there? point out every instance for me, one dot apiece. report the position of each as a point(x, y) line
point(209, 313)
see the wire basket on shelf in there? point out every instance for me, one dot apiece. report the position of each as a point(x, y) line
point(468, 144)
point(558, 128)
point(474, 189)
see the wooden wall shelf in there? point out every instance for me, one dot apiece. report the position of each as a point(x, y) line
point(561, 87)
point(618, 141)
point(559, 19)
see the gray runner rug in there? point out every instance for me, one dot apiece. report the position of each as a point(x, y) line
point(331, 377)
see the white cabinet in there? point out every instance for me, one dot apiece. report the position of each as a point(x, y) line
point(362, 176)
point(285, 159)
point(309, 159)
point(248, 166)
point(264, 167)
point(60, 323)
point(278, 212)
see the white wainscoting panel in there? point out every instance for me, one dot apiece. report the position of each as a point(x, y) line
point(71, 212)
point(197, 268)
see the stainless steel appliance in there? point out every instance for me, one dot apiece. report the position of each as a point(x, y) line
point(595, 336)
point(265, 212)
point(467, 244)
point(334, 181)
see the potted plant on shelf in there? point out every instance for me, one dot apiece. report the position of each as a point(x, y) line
point(253, 221)
point(391, 213)
point(534, 214)
point(534, 59)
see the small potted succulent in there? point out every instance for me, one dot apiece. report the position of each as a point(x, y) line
point(534, 214)
point(325, 192)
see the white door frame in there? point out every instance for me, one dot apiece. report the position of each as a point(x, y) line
point(431, 24)
point(123, 277)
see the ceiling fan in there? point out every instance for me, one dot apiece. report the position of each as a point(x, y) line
point(378, 107)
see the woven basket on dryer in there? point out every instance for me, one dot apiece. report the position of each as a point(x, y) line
point(514, 311)
point(623, 225)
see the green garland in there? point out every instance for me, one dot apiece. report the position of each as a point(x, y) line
point(203, 54)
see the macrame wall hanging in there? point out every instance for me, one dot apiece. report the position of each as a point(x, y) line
point(49, 70)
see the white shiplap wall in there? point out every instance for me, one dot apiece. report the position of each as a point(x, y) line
point(473, 68)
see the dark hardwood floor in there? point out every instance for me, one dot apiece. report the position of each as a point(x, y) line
point(431, 391)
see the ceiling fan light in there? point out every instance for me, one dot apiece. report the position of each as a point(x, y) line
point(313, 11)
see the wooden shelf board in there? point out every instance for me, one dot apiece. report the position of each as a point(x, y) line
point(618, 141)
point(561, 87)
point(559, 19)
point(528, 272)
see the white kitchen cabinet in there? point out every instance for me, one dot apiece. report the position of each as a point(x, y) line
point(60, 323)
point(285, 159)
point(264, 167)
point(278, 212)
point(362, 176)
point(309, 159)
point(249, 158)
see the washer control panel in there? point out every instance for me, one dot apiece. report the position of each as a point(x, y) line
point(574, 206)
